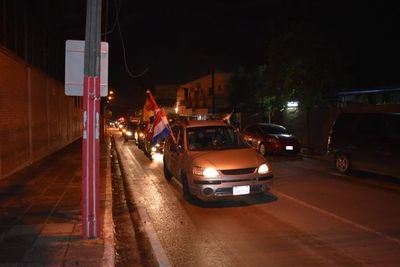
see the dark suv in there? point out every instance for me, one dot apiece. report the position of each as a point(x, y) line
point(366, 141)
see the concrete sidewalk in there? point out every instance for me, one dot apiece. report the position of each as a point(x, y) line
point(40, 213)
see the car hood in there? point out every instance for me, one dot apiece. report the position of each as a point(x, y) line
point(228, 159)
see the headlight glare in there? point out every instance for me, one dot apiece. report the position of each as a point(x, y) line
point(210, 173)
point(263, 169)
point(206, 172)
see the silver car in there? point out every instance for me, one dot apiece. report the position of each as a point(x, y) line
point(212, 161)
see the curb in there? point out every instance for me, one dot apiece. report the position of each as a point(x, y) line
point(108, 223)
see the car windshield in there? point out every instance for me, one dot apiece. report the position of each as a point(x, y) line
point(213, 138)
point(131, 125)
point(273, 129)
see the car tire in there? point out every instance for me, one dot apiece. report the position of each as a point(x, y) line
point(342, 163)
point(263, 149)
point(186, 190)
point(167, 173)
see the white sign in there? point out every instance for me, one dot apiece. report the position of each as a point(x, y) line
point(74, 68)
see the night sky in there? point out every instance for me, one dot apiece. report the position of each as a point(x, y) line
point(177, 41)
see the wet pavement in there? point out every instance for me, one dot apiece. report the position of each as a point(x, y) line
point(40, 213)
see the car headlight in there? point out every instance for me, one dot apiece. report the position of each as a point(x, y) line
point(206, 172)
point(263, 169)
point(128, 133)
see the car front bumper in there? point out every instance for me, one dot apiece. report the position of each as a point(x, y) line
point(225, 189)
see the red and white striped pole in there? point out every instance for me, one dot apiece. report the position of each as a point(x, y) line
point(91, 123)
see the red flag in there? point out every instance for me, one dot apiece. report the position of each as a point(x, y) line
point(150, 102)
point(160, 127)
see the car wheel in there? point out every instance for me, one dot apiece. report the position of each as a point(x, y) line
point(167, 173)
point(186, 190)
point(342, 163)
point(262, 149)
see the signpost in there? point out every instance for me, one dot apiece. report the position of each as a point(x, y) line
point(91, 123)
point(87, 70)
point(74, 65)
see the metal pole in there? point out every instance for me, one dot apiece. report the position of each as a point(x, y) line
point(91, 122)
point(213, 87)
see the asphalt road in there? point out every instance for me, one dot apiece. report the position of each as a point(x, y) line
point(312, 217)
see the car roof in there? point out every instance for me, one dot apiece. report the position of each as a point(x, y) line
point(198, 123)
point(265, 124)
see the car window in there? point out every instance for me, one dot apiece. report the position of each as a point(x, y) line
point(252, 129)
point(213, 137)
point(273, 129)
point(370, 126)
point(131, 125)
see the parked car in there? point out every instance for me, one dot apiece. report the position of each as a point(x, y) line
point(212, 161)
point(271, 138)
point(367, 142)
point(129, 130)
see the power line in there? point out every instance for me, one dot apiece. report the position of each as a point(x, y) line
point(123, 45)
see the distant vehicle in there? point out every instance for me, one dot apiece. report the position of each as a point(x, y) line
point(271, 138)
point(212, 161)
point(140, 134)
point(367, 142)
point(121, 126)
point(150, 148)
point(129, 131)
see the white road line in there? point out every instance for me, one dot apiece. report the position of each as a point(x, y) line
point(339, 218)
point(158, 250)
point(155, 243)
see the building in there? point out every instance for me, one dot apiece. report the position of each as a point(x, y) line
point(204, 96)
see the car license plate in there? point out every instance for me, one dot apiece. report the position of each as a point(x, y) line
point(289, 147)
point(241, 190)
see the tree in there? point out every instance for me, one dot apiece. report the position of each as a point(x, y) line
point(304, 68)
point(240, 90)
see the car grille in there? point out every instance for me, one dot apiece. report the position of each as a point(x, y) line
point(238, 171)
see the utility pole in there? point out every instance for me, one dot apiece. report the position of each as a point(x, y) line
point(213, 86)
point(91, 123)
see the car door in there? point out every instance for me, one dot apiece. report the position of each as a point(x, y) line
point(388, 152)
point(176, 152)
point(368, 148)
point(251, 135)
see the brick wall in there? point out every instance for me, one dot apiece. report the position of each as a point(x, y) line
point(36, 118)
